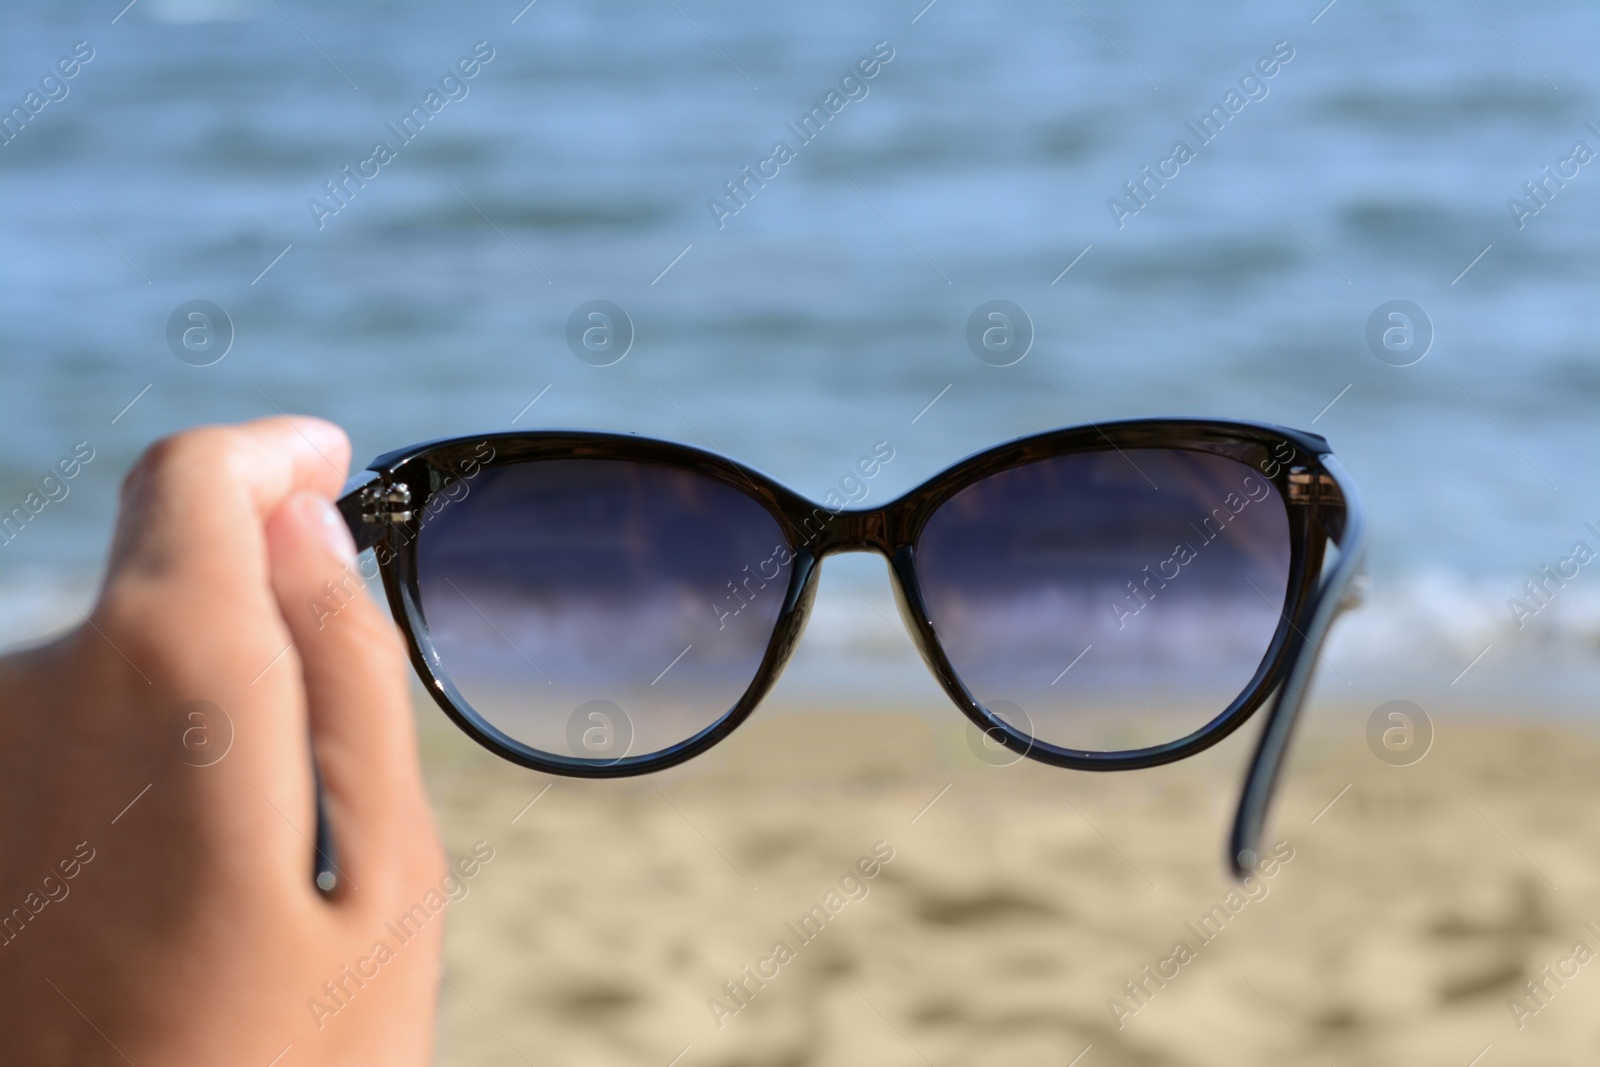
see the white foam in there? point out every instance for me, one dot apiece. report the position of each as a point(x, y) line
point(1431, 623)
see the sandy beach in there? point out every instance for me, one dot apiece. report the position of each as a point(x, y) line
point(1026, 915)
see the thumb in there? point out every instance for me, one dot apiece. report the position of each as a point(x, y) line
point(354, 669)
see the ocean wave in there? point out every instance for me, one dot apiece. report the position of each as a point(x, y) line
point(1432, 618)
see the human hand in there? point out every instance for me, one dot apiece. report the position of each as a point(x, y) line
point(155, 911)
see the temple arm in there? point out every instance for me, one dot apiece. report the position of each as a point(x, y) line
point(1340, 589)
point(352, 504)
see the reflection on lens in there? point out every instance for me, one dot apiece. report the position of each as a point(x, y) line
point(589, 584)
point(1124, 598)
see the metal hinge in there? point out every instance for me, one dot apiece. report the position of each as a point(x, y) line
point(386, 503)
point(1306, 487)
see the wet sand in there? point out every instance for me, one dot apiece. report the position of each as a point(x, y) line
point(1404, 914)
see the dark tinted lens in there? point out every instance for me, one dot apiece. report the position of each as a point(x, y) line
point(601, 609)
point(1118, 599)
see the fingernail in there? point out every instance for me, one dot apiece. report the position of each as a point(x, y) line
point(335, 534)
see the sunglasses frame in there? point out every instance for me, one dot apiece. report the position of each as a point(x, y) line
point(387, 508)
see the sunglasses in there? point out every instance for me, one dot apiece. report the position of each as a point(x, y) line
point(1101, 597)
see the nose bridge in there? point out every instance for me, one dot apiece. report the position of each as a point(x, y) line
point(860, 530)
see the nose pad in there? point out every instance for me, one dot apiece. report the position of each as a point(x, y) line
point(912, 612)
point(806, 569)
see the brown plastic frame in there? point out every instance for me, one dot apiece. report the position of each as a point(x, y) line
point(1322, 508)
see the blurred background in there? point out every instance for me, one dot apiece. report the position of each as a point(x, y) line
point(185, 158)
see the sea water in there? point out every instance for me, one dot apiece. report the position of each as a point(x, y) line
point(228, 152)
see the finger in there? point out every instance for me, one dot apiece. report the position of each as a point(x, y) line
point(186, 602)
point(187, 612)
point(355, 674)
point(194, 503)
